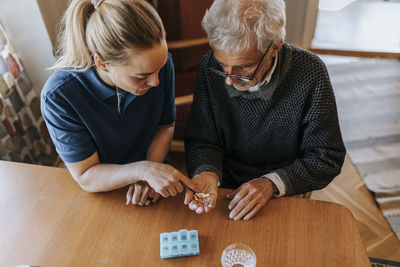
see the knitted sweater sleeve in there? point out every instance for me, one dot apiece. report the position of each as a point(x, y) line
point(322, 151)
point(203, 149)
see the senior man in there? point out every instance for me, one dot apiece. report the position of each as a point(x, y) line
point(264, 119)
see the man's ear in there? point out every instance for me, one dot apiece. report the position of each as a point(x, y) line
point(99, 63)
point(277, 47)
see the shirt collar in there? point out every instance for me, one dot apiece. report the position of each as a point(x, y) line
point(267, 77)
point(99, 88)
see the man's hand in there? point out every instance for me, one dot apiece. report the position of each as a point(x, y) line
point(208, 184)
point(140, 193)
point(249, 198)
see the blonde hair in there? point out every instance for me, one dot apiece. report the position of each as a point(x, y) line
point(236, 25)
point(108, 29)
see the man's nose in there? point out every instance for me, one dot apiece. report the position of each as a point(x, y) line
point(229, 81)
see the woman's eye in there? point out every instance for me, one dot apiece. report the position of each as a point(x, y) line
point(139, 78)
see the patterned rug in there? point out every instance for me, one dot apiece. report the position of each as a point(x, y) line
point(375, 262)
point(368, 98)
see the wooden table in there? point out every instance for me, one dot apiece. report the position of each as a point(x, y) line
point(47, 219)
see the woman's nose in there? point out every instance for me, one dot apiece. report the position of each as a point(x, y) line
point(153, 80)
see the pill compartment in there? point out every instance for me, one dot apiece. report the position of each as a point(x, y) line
point(184, 248)
point(174, 249)
point(183, 235)
point(164, 238)
point(165, 250)
point(174, 237)
point(193, 235)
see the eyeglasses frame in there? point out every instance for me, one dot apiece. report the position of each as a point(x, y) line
point(242, 78)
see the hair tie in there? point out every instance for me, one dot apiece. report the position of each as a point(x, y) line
point(97, 3)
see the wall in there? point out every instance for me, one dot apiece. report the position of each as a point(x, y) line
point(24, 25)
point(301, 16)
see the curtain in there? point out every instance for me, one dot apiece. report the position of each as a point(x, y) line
point(23, 133)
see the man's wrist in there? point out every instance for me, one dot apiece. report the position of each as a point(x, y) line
point(275, 190)
point(277, 181)
point(211, 174)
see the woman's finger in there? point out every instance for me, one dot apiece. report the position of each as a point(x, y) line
point(172, 191)
point(137, 194)
point(129, 194)
point(179, 187)
point(164, 192)
point(145, 195)
point(156, 197)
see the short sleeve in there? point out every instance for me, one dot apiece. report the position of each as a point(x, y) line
point(71, 138)
point(168, 115)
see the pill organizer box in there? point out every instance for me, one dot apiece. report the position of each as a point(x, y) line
point(179, 244)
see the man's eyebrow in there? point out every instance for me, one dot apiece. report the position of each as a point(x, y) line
point(237, 66)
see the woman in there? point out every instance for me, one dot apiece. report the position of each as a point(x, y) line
point(109, 107)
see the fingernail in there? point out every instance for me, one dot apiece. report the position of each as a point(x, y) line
point(245, 218)
point(230, 216)
point(236, 218)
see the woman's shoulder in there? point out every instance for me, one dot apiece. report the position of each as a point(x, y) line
point(58, 81)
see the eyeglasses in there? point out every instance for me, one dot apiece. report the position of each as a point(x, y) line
point(242, 78)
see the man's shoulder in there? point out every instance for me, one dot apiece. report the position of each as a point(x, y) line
point(206, 59)
point(304, 57)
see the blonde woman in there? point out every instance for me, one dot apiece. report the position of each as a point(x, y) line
point(109, 106)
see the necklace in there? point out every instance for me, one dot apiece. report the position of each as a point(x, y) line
point(118, 99)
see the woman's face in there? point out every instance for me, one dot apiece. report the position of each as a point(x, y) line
point(140, 73)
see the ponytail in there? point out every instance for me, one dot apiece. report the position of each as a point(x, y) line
point(72, 49)
point(109, 31)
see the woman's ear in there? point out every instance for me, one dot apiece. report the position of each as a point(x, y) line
point(99, 63)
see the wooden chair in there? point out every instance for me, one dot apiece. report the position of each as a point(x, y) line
point(185, 83)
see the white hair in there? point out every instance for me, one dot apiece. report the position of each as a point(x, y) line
point(236, 25)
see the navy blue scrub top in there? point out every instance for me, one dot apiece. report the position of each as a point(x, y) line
point(81, 113)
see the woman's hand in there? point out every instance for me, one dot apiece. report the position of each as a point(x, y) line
point(140, 193)
point(164, 179)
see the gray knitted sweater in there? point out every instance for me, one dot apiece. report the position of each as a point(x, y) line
point(289, 127)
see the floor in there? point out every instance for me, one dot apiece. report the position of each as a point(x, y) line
point(349, 190)
point(362, 25)
point(371, 26)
